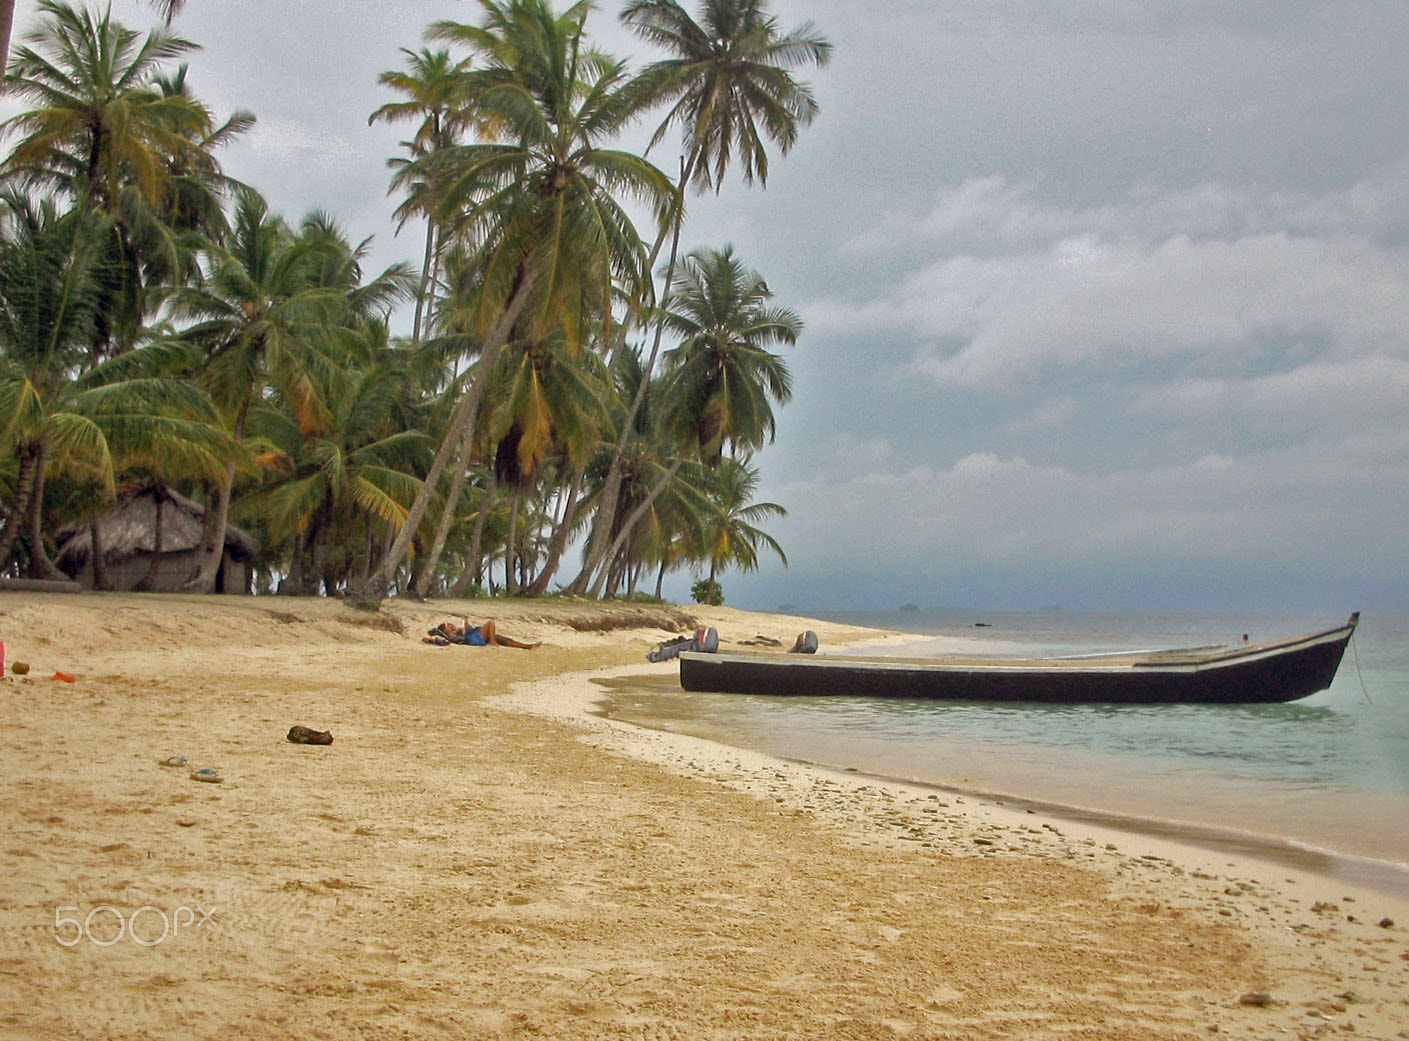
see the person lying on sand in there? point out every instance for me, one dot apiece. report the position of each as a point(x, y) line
point(485, 635)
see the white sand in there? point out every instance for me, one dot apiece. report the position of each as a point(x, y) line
point(473, 860)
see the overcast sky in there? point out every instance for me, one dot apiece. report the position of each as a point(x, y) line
point(1106, 302)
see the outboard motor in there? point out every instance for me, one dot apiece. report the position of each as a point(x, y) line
point(806, 643)
point(705, 640)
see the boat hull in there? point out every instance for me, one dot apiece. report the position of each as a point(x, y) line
point(1270, 673)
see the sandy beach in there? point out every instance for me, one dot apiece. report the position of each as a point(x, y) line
point(477, 855)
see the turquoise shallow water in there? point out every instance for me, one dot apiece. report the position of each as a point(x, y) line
point(1322, 782)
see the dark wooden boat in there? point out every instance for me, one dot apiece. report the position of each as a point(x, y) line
point(1282, 670)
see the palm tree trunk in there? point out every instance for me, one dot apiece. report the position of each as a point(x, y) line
point(293, 581)
point(425, 281)
point(660, 579)
point(687, 170)
point(40, 566)
point(365, 568)
point(317, 575)
point(434, 284)
point(7, 22)
point(560, 537)
point(472, 565)
point(447, 516)
point(462, 420)
point(617, 573)
point(510, 545)
point(24, 489)
point(635, 518)
point(100, 555)
point(149, 580)
point(213, 537)
point(606, 510)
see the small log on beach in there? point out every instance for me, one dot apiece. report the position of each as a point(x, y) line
point(38, 585)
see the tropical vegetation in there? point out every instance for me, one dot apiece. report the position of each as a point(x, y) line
point(164, 332)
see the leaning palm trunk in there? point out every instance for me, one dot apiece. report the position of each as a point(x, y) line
point(635, 518)
point(213, 537)
point(213, 525)
point(606, 513)
point(447, 517)
point(40, 566)
point(560, 537)
point(461, 422)
point(472, 569)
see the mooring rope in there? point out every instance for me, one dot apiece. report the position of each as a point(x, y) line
point(1355, 650)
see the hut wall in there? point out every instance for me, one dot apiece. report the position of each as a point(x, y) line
point(173, 573)
point(236, 576)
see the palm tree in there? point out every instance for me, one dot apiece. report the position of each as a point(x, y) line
point(259, 309)
point(653, 457)
point(48, 306)
point(722, 377)
point(721, 381)
point(98, 122)
point(111, 132)
point(197, 189)
point(271, 305)
point(333, 466)
point(432, 85)
point(727, 82)
point(549, 409)
point(542, 202)
point(733, 536)
point(56, 415)
point(730, 90)
point(168, 9)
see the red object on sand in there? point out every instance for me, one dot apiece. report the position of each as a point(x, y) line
point(62, 676)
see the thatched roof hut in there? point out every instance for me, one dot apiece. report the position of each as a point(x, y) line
point(127, 533)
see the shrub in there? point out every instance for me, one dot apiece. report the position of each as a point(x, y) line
point(707, 591)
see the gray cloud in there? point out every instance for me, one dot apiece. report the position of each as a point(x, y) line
point(1105, 302)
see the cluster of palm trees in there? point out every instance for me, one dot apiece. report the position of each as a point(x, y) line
point(161, 329)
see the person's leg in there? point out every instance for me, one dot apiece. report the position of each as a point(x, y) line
point(492, 635)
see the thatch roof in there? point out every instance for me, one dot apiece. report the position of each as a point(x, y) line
point(129, 529)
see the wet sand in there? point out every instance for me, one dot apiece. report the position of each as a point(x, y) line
point(476, 855)
point(655, 702)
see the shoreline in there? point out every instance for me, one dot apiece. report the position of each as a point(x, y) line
point(1384, 876)
point(456, 865)
point(1195, 847)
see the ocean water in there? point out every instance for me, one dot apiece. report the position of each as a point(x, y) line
point(1322, 783)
